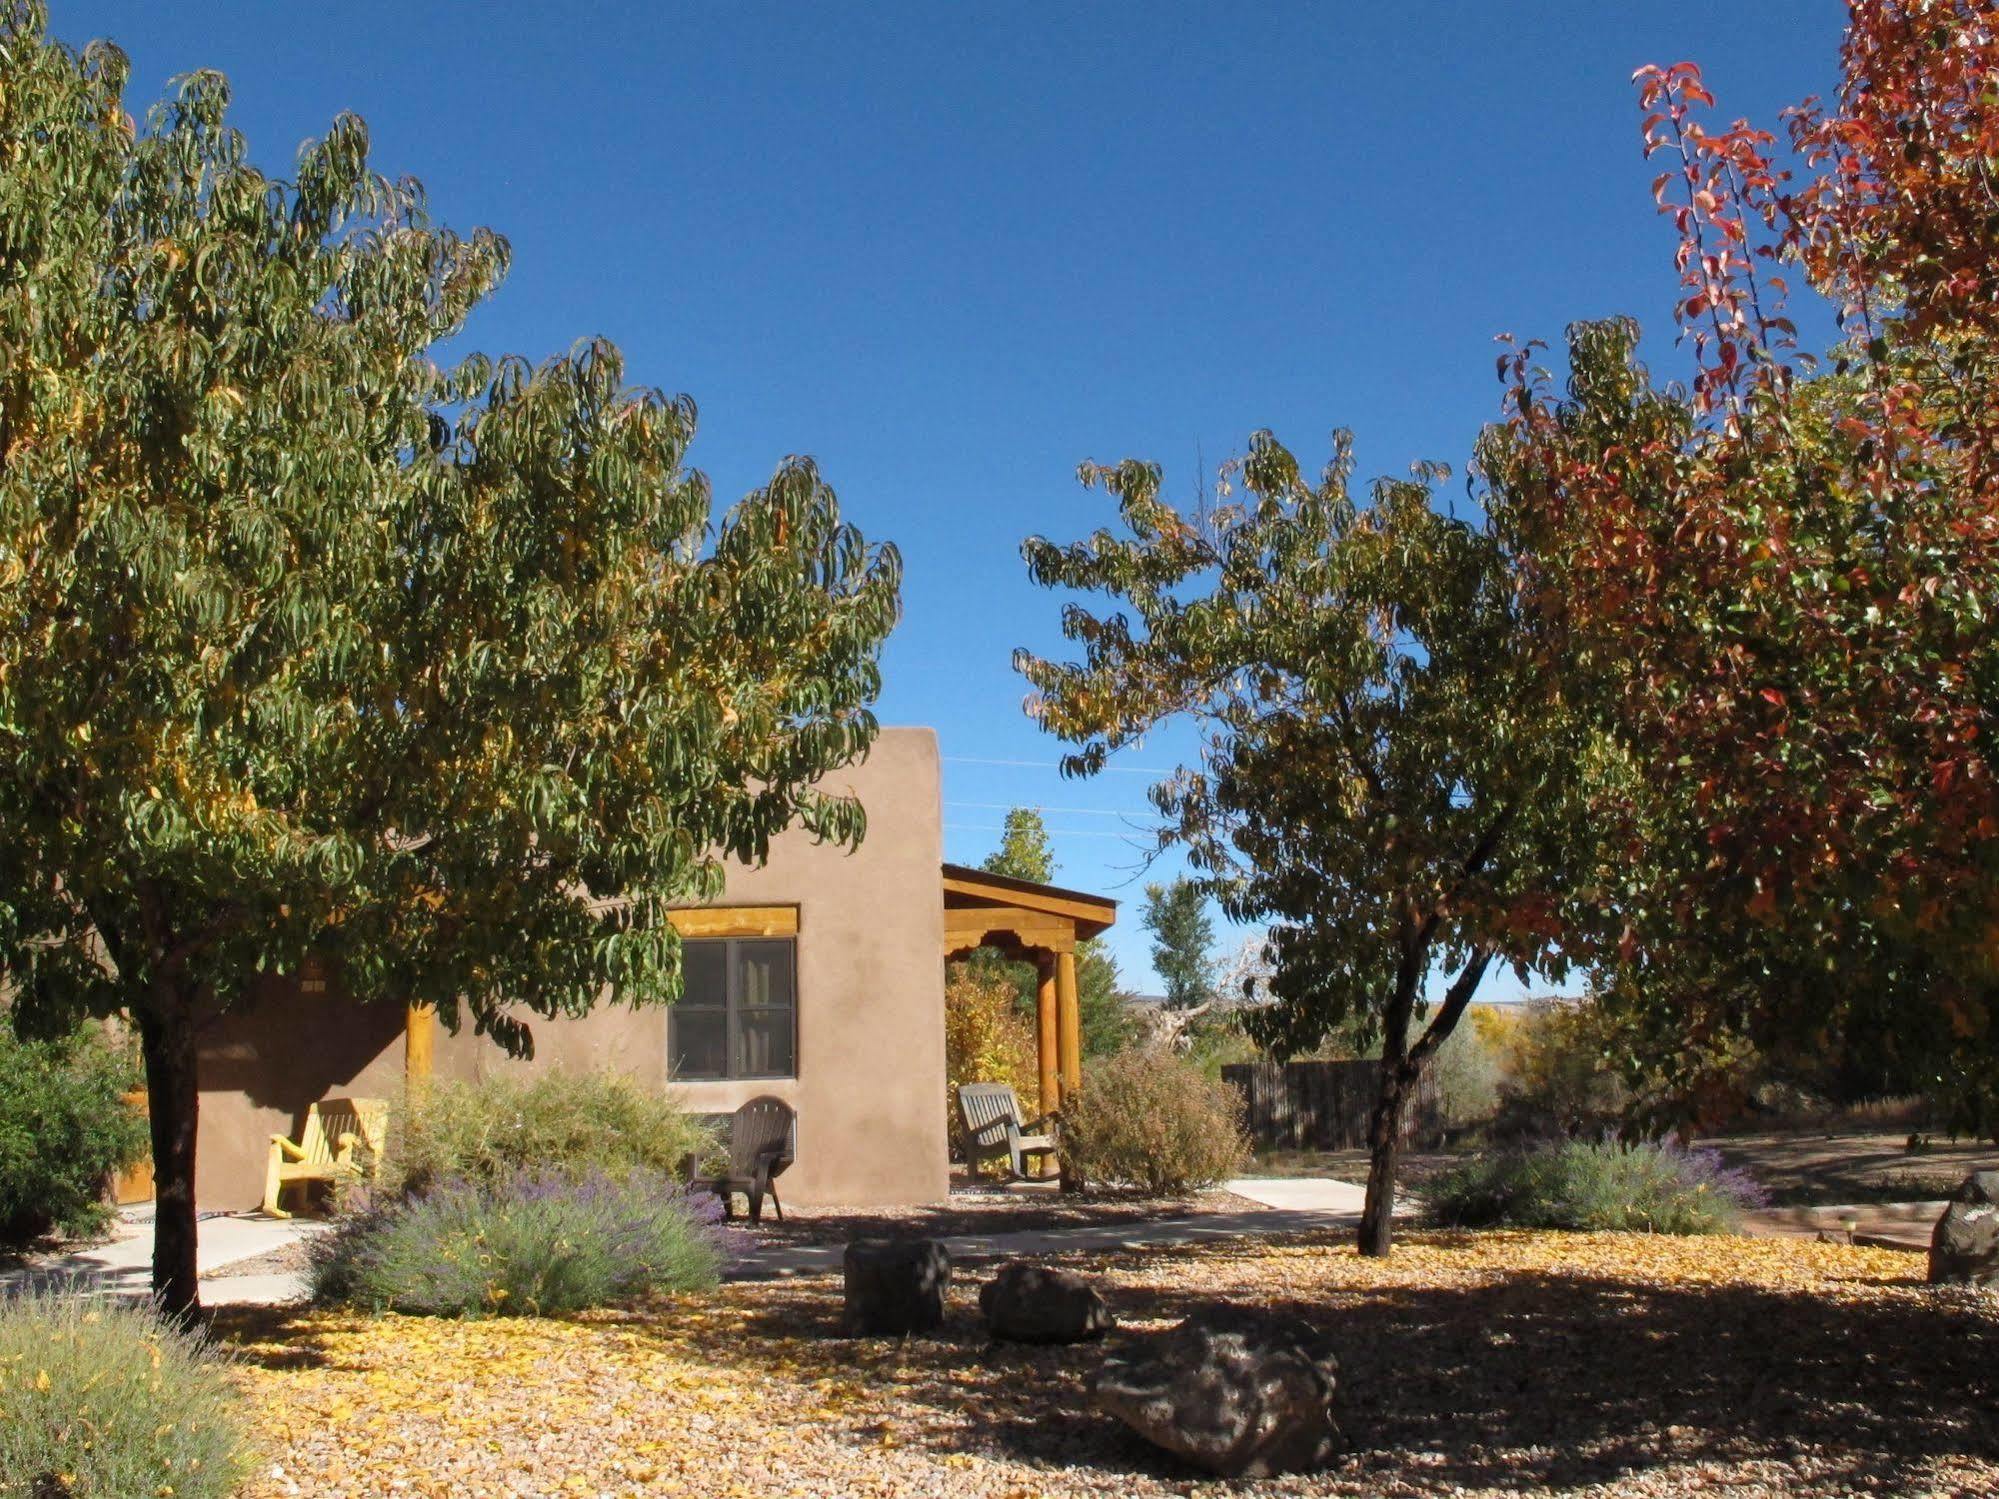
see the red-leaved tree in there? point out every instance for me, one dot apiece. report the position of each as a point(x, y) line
point(1777, 584)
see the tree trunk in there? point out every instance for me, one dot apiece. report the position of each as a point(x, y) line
point(167, 1039)
point(1384, 1150)
point(1384, 1126)
point(1401, 1069)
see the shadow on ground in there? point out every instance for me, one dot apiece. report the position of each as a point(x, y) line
point(1529, 1381)
point(1801, 1168)
point(1030, 1211)
point(269, 1337)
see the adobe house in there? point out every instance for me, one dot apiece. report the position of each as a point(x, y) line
point(818, 979)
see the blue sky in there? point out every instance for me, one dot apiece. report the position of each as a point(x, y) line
point(952, 250)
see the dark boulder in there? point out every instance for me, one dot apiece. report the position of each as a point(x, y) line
point(896, 1286)
point(1964, 1249)
point(1030, 1303)
point(1239, 1395)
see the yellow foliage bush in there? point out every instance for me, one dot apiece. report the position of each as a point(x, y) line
point(1501, 1029)
point(986, 1038)
point(1154, 1122)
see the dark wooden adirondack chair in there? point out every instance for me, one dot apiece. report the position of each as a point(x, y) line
point(993, 1128)
point(761, 1140)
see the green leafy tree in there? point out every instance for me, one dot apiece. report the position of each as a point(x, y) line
point(1101, 998)
point(1103, 1001)
point(1023, 853)
point(314, 640)
point(1385, 776)
point(1183, 941)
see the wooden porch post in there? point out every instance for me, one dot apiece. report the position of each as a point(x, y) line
point(1045, 1027)
point(1070, 1009)
point(419, 1039)
point(1069, 1014)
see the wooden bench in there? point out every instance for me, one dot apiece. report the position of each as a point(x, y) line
point(335, 1129)
point(993, 1128)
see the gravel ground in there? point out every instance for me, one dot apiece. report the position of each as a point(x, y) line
point(1802, 1168)
point(1480, 1364)
point(286, 1259)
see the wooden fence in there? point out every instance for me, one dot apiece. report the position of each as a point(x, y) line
point(1320, 1105)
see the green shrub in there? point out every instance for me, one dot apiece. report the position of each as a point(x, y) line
point(107, 1401)
point(551, 1121)
point(1153, 1121)
point(536, 1244)
point(64, 1130)
point(1464, 1079)
point(1602, 1185)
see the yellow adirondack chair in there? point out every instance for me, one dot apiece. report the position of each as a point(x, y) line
point(334, 1129)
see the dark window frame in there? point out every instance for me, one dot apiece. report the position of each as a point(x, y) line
point(732, 1009)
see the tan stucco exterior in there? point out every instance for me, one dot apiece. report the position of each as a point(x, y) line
point(869, 1084)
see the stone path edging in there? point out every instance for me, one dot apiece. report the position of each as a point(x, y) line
point(1876, 1225)
point(780, 1261)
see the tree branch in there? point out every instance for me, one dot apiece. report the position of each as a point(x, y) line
point(1363, 763)
point(1457, 999)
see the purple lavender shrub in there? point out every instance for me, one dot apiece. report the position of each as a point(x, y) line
point(531, 1244)
point(1646, 1187)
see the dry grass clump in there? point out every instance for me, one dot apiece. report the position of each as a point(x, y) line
point(100, 1399)
point(1153, 1121)
point(535, 1244)
point(1647, 1186)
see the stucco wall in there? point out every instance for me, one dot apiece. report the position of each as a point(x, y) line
point(869, 1089)
point(262, 1065)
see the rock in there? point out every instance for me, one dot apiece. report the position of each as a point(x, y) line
point(895, 1286)
point(1964, 1250)
point(1240, 1395)
point(1030, 1303)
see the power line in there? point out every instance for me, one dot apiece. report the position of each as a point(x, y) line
point(993, 827)
point(1122, 770)
point(1040, 807)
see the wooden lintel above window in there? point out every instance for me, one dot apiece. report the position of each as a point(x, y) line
point(735, 921)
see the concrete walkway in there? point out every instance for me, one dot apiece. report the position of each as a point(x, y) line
point(1315, 1194)
point(123, 1264)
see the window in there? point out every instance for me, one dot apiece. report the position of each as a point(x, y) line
point(736, 1016)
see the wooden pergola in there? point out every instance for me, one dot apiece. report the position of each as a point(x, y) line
point(1040, 924)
